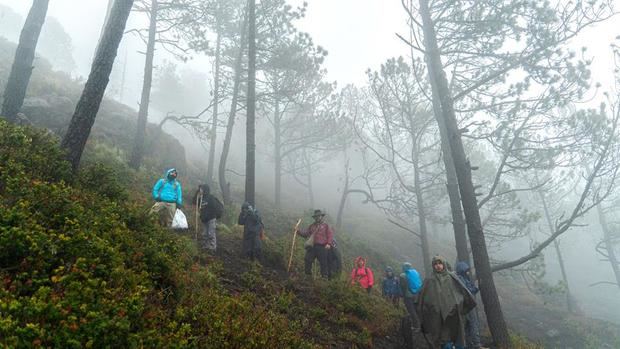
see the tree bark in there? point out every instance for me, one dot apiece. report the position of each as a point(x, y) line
point(611, 254)
point(569, 302)
point(428, 270)
point(441, 90)
point(21, 70)
point(343, 198)
point(452, 187)
point(138, 148)
point(277, 153)
point(224, 185)
point(216, 102)
point(90, 100)
point(250, 150)
point(105, 22)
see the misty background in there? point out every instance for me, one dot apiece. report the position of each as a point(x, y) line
point(358, 35)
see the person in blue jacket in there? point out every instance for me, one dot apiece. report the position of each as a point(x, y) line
point(391, 286)
point(168, 196)
point(472, 323)
point(410, 284)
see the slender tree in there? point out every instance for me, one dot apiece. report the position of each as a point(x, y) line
point(232, 114)
point(87, 107)
point(216, 94)
point(250, 153)
point(21, 70)
point(138, 150)
point(172, 26)
point(441, 91)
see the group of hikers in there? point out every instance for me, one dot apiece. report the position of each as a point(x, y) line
point(168, 196)
point(441, 308)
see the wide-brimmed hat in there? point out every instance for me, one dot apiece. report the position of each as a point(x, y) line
point(317, 213)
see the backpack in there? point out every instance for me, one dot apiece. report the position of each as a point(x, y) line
point(211, 207)
point(414, 282)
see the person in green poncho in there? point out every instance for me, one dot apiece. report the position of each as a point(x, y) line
point(443, 303)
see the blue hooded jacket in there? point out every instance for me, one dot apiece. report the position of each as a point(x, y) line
point(391, 284)
point(461, 270)
point(168, 189)
point(410, 280)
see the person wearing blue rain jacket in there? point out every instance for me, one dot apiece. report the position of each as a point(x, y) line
point(168, 196)
point(410, 284)
point(472, 323)
point(391, 287)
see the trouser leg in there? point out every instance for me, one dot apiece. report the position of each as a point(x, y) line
point(472, 330)
point(321, 253)
point(210, 239)
point(256, 246)
point(308, 260)
point(168, 212)
point(411, 309)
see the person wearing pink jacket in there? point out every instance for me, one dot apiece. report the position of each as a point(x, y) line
point(362, 275)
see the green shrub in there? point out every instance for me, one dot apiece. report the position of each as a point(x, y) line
point(83, 266)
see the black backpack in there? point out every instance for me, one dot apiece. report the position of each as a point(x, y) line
point(211, 207)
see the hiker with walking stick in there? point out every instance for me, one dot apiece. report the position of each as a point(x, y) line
point(320, 238)
point(210, 210)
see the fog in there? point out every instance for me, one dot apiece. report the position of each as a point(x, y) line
point(359, 37)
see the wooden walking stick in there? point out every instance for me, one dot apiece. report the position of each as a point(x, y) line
point(290, 259)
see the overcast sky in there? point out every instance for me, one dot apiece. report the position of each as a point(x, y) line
point(358, 34)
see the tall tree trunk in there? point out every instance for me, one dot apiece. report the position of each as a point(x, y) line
point(452, 187)
point(607, 237)
point(224, 185)
point(216, 100)
point(490, 298)
point(21, 70)
point(250, 152)
point(277, 152)
point(138, 148)
point(569, 301)
point(343, 198)
point(88, 105)
point(417, 182)
point(105, 22)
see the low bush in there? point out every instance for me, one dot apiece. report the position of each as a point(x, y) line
point(82, 266)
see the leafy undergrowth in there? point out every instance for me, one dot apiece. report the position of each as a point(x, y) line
point(81, 266)
point(331, 313)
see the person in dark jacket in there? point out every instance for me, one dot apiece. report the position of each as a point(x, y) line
point(252, 226)
point(444, 301)
point(320, 238)
point(334, 260)
point(390, 287)
point(472, 323)
point(208, 216)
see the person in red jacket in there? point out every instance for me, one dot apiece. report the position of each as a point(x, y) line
point(362, 275)
point(320, 239)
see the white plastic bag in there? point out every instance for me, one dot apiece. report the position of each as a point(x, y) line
point(179, 221)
